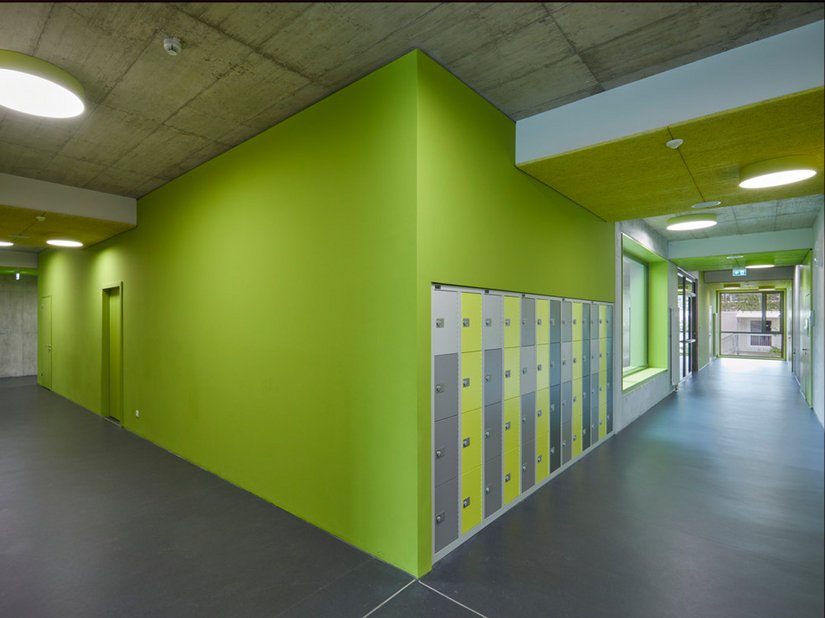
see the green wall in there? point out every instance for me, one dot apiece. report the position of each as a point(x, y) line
point(483, 222)
point(705, 297)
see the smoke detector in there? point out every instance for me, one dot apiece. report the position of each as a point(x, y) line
point(172, 45)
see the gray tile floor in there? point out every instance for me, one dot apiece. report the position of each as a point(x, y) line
point(709, 505)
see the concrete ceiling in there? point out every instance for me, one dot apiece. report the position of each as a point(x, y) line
point(723, 262)
point(246, 66)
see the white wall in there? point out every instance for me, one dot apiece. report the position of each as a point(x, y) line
point(818, 306)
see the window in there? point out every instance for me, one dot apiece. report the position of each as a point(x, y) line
point(634, 315)
point(756, 327)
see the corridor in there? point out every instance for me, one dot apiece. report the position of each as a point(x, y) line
point(709, 505)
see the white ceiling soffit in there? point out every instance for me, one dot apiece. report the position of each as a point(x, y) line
point(761, 242)
point(18, 259)
point(52, 197)
point(773, 67)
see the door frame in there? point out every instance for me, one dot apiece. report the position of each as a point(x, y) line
point(105, 320)
point(782, 321)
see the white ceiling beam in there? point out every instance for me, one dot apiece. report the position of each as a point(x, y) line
point(763, 242)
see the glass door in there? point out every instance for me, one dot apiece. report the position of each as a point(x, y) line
point(752, 324)
point(686, 306)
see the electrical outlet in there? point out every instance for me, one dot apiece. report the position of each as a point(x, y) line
point(137, 413)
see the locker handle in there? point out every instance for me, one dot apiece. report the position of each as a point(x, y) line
point(466, 502)
point(466, 442)
point(506, 425)
point(439, 452)
point(523, 419)
point(465, 322)
point(487, 434)
point(574, 321)
point(574, 360)
point(574, 399)
point(574, 437)
point(563, 362)
point(538, 413)
point(507, 322)
point(524, 321)
point(466, 382)
point(507, 478)
point(486, 490)
point(439, 322)
point(539, 367)
point(439, 518)
point(552, 364)
point(524, 370)
point(488, 377)
point(552, 321)
point(552, 450)
point(584, 431)
point(507, 374)
point(564, 442)
point(552, 407)
point(439, 388)
point(600, 423)
point(488, 322)
point(538, 321)
point(538, 459)
point(524, 466)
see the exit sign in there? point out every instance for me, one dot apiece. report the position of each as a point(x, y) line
point(740, 272)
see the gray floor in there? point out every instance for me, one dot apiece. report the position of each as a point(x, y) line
point(709, 505)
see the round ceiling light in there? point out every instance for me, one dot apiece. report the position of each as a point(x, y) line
point(6, 243)
point(708, 204)
point(34, 86)
point(776, 172)
point(57, 242)
point(691, 222)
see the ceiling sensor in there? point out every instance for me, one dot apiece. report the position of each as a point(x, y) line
point(172, 45)
point(673, 144)
point(708, 204)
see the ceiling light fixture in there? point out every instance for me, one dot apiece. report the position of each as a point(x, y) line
point(734, 257)
point(776, 172)
point(64, 243)
point(34, 86)
point(763, 265)
point(691, 222)
point(6, 243)
point(708, 204)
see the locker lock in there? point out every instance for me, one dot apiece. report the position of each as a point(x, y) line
point(584, 431)
point(552, 450)
point(552, 321)
point(487, 434)
point(600, 423)
point(523, 419)
point(466, 502)
point(524, 321)
point(488, 377)
point(538, 459)
point(439, 453)
point(538, 321)
point(538, 413)
point(564, 361)
point(439, 518)
point(466, 322)
point(564, 442)
point(574, 398)
point(524, 370)
point(488, 322)
point(574, 360)
point(439, 322)
point(539, 367)
point(507, 322)
point(439, 388)
point(507, 373)
point(507, 478)
point(466, 382)
point(506, 425)
point(466, 442)
point(592, 425)
point(552, 364)
point(552, 407)
point(524, 466)
point(574, 437)
point(486, 490)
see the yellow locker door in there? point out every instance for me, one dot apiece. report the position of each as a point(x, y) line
point(471, 439)
point(512, 475)
point(471, 499)
point(576, 360)
point(603, 360)
point(470, 322)
point(512, 372)
point(542, 456)
point(470, 381)
point(602, 410)
point(542, 321)
point(577, 417)
point(577, 322)
point(542, 367)
point(512, 424)
point(543, 411)
point(512, 322)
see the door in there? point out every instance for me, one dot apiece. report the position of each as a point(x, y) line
point(752, 324)
point(44, 338)
point(805, 346)
point(112, 365)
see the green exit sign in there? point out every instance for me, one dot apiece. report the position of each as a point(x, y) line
point(740, 272)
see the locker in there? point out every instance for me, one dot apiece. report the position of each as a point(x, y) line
point(609, 323)
point(609, 406)
point(445, 450)
point(609, 355)
point(528, 465)
point(492, 431)
point(445, 514)
point(603, 357)
point(585, 321)
point(585, 356)
point(595, 419)
point(542, 366)
point(576, 446)
point(542, 321)
point(555, 321)
point(444, 326)
point(511, 475)
point(602, 410)
point(492, 335)
point(576, 360)
point(566, 362)
point(566, 421)
point(585, 412)
point(594, 355)
point(555, 427)
point(594, 321)
point(555, 364)
point(542, 456)
point(566, 321)
point(512, 372)
point(471, 499)
point(471, 440)
point(528, 322)
point(577, 322)
point(470, 321)
point(512, 424)
point(543, 411)
point(492, 375)
point(512, 322)
point(528, 370)
point(602, 321)
point(445, 386)
point(492, 485)
point(528, 419)
point(471, 381)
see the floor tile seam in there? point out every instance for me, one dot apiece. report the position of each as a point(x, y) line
point(390, 598)
point(477, 613)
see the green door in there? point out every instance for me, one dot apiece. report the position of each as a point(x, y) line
point(44, 347)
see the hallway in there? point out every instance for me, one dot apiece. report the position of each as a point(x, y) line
point(709, 505)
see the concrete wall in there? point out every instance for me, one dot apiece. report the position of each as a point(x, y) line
point(18, 326)
point(818, 335)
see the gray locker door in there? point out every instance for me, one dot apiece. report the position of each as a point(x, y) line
point(594, 355)
point(492, 486)
point(446, 315)
point(566, 421)
point(566, 362)
point(585, 411)
point(585, 321)
point(445, 386)
point(528, 418)
point(594, 321)
point(445, 450)
point(609, 404)
point(492, 333)
point(492, 431)
point(566, 321)
point(555, 321)
point(610, 320)
point(555, 427)
point(445, 518)
point(609, 363)
point(555, 364)
point(528, 321)
point(528, 465)
point(528, 369)
point(585, 355)
point(595, 421)
point(492, 375)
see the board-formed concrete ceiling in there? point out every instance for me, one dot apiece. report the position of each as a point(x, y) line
point(246, 66)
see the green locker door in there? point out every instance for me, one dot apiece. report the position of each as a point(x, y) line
point(44, 339)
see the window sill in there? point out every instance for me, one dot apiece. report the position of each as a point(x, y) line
point(638, 378)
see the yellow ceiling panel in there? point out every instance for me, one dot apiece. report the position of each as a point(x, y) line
point(716, 147)
point(20, 226)
point(623, 179)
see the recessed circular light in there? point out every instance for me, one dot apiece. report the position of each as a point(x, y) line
point(6, 243)
point(57, 242)
point(708, 204)
point(734, 257)
point(691, 222)
point(34, 86)
point(776, 172)
point(760, 266)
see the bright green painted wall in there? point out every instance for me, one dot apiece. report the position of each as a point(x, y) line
point(704, 299)
point(482, 222)
point(270, 315)
point(658, 304)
